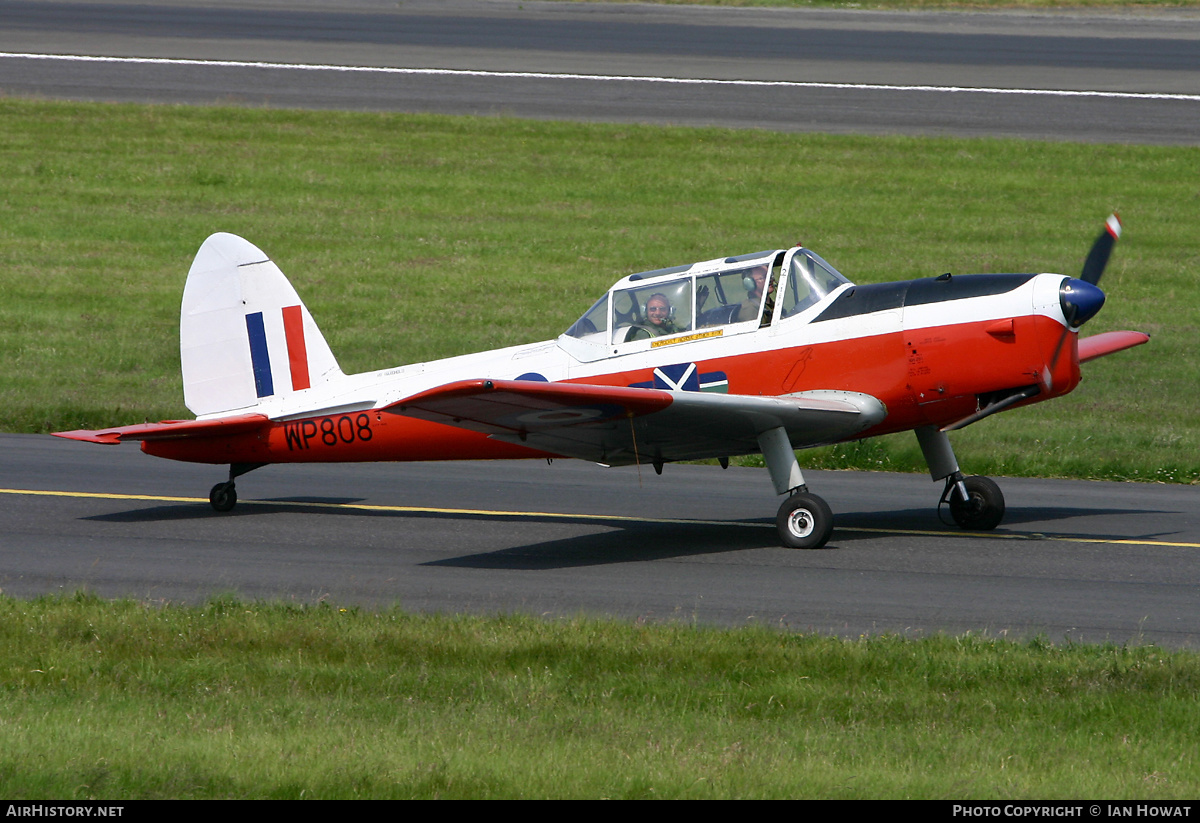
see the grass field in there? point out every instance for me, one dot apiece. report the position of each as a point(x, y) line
point(235, 700)
point(417, 237)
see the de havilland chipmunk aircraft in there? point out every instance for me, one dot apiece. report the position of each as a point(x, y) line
point(759, 353)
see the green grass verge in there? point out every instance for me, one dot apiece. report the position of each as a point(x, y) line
point(417, 237)
point(234, 700)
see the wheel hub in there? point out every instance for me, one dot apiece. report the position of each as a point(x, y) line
point(800, 522)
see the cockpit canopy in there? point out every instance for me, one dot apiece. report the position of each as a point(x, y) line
point(734, 294)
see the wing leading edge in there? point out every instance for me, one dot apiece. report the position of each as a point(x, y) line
point(1100, 345)
point(618, 426)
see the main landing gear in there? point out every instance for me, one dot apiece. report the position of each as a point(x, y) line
point(223, 496)
point(976, 503)
point(805, 521)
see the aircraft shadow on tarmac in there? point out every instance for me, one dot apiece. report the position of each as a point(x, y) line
point(249, 508)
point(614, 540)
point(925, 519)
point(627, 543)
point(620, 540)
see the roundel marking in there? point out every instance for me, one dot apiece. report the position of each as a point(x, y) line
point(560, 416)
point(551, 418)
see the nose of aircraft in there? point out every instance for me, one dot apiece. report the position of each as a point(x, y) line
point(1080, 301)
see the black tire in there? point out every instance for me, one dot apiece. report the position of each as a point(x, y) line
point(805, 521)
point(984, 508)
point(223, 497)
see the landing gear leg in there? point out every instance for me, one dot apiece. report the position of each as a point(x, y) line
point(805, 521)
point(976, 503)
point(223, 496)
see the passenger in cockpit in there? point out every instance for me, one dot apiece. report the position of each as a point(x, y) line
point(756, 282)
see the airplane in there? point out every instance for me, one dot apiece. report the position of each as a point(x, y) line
point(760, 353)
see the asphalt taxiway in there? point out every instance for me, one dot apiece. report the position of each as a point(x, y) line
point(1073, 560)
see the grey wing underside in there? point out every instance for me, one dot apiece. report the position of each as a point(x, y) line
point(619, 426)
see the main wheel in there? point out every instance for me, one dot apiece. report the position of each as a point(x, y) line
point(805, 521)
point(223, 496)
point(984, 507)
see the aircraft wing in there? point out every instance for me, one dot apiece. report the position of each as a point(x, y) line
point(169, 430)
point(1098, 345)
point(616, 425)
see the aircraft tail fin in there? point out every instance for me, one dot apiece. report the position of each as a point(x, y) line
point(245, 337)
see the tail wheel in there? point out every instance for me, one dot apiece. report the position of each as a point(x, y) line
point(223, 496)
point(805, 521)
point(984, 507)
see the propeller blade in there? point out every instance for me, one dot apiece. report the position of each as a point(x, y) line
point(1062, 339)
point(1081, 298)
point(1097, 258)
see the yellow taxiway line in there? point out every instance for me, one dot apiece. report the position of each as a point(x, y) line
point(157, 498)
point(373, 508)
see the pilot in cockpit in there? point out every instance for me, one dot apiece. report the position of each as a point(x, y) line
point(659, 316)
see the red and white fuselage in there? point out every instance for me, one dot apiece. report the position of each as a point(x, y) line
point(931, 352)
